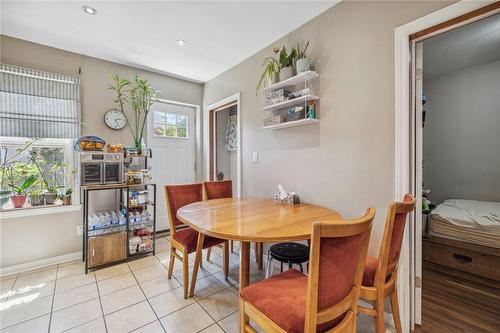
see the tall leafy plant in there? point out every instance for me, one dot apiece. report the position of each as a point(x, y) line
point(135, 97)
point(286, 59)
point(271, 67)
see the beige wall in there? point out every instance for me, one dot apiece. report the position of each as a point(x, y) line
point(347, 161)
point(40, 237)
point(461, 134)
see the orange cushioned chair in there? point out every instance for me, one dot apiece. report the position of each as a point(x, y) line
point(380, 275)
point(327, 300)
point(185, 240)
point(224, 189)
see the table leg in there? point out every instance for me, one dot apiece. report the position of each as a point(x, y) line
point(244, 264)
point(244, 278)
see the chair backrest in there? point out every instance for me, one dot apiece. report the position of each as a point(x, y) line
point(178, 196)
point(218, 190)
point(337, 258)
point(390, 248)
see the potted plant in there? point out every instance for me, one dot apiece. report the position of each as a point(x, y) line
point(19, 197)
point(139, 96)
point(286, 63)
point(271, 71)
point(303, 63)
point(68, 192)
point(35, 195)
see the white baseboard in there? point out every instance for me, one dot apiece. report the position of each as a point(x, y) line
point(14, 269)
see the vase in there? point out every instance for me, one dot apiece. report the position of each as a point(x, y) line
point(67, 200)
point(18, 200)
point(36, 199)
point(303, 65)
point(50, 198)
point(4, 197)
point(286, 73)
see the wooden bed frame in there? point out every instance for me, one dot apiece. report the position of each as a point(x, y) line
point(455, 257)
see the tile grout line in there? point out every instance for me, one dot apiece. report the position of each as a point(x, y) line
point(53, 298)
point(100, 302)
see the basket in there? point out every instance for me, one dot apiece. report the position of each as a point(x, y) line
point(89, 143)
point(274, 120)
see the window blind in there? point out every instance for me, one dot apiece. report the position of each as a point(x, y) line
point(37, 104)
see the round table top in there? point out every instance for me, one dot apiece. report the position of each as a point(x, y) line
point(253, 219)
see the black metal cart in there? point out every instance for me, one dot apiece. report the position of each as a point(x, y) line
point(107, 231)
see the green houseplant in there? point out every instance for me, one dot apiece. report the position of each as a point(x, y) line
point(303, 63)
point(20, 191)
point(286, 62)
point(35, 195)
point(271, 71)
point(134, 99)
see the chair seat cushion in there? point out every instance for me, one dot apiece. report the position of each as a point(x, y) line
point(189, 239)
point(371, 265)
point(282, 298)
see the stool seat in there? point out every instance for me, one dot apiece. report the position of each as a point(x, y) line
point(290, 252)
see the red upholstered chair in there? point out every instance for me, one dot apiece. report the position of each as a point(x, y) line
point(224, 189)
point(185, 240)
point(380, 275)
point(324, 301)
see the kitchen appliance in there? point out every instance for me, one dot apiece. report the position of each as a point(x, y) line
point(99, 168)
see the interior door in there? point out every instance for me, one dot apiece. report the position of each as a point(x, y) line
point(172, 139)
point(418, 165)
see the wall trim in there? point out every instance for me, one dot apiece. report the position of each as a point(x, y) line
point(25, 212)
point(14, 269)
point(409, 305)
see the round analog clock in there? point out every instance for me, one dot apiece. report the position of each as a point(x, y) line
point(115, 119)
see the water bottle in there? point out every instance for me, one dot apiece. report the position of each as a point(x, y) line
point(122, 218)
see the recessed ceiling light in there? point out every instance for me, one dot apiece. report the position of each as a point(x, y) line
point(89, 10)
point(181, 42)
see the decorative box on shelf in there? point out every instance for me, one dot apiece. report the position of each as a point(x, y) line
point(274, 120)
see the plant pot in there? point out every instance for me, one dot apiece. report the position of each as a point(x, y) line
point(18, 200)
point(67, 200)
point(286, 73)
point(303, 65)
point(36, 199)
point(274, 78)
point(4, 197)
point(50, 198)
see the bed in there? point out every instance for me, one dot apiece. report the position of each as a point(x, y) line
point(464, 235)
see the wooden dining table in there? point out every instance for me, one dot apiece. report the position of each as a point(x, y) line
point(252, 220)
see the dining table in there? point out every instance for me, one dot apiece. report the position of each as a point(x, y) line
point(252, 220)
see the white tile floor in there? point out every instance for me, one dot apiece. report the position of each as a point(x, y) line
point(134, 296)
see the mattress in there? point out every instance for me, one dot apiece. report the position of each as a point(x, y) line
point(472, 221)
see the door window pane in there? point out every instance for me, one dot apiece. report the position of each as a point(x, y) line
point(170, 125)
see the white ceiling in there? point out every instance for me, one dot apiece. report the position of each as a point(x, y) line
point(219, 35)
point(470, 45)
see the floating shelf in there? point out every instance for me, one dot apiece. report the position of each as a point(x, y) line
point(295, 80)
point(301, 122)
point(290, 102)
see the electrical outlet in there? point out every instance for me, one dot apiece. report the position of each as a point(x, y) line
point(79, 230)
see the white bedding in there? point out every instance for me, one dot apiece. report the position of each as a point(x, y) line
point(473, 221)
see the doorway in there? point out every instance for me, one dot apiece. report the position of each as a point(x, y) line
point(224, 142)
point(408, 157)
point(172, 137)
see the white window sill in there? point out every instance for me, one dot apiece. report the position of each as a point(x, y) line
point(25, 212)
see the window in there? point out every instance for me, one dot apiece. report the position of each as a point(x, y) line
point(170, 125)
point(39, 120)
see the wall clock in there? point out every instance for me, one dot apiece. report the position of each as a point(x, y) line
point(115, 119)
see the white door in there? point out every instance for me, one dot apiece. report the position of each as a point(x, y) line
point(171, 137)
point(416, 281)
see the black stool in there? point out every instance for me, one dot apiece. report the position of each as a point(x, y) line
point(290, 253)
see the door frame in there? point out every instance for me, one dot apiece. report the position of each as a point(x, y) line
point(198, 159)
point(210, 138)
point(406, 37)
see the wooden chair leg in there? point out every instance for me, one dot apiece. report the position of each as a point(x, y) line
point(185, 272)
point(171, 262)
point(243, 317)
point(379, 318)
point(226, 259)
point(232, 246)
point(197, 262)
point(395, 311)
point(209, 252)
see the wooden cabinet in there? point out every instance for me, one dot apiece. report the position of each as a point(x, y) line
point(107, 248)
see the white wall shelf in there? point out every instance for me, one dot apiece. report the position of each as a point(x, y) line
point(293, 81)
point(290, 102)
point(301, 122)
